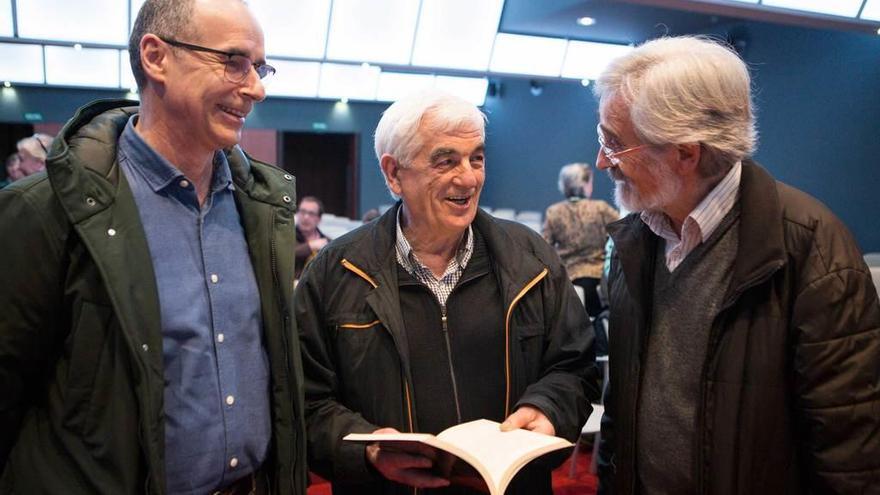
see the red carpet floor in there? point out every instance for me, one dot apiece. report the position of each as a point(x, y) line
point(583, 483)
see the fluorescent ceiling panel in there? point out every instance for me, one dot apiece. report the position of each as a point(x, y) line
point(531, 55)
point(21, 63)
point(871, 11)
point(586, 60)
point(293, 29)
point(6, 18)
point(395, 85)
point(472, 89)
point(469, 45)
point(126, 78)
point(87, 21)
point(744, 1)
point(357, 82)
point(372, 31)
point(849, 8)
point(133, 12)
point(297, 79)
point(92, 67)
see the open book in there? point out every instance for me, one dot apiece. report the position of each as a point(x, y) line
point(497, 456)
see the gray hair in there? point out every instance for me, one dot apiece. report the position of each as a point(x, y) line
point(164, 18)
point(398, 131)
point(687, 89)
point(37, 145)
point(572, 179)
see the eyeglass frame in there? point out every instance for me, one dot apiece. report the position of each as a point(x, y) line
point(612, 156)
point(257, 66)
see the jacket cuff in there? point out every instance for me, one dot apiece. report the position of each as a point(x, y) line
point(546, 406)
point(352, 464)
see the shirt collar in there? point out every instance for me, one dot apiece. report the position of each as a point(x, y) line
point(708, 213)
point(408, 258)
point(158, 172)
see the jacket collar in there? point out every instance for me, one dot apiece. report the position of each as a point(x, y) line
point(761, 248)
point(514, 263)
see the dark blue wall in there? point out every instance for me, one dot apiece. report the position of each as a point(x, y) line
point(817, 93)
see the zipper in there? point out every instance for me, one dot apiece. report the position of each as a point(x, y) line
point(444, 322)
point(357, 271)
point(513, 303)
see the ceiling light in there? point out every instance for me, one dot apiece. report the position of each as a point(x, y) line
point(586, 21)
point(77, 46)
point(7, 84)
point(585, 82)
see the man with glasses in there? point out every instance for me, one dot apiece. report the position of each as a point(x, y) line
point(744, 349)
point(309, 238)
point(146, 342)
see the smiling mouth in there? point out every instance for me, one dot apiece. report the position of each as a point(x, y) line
point(459, 200)
point(236, 113)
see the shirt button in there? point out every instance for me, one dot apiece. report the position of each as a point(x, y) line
point(230, 400)
point(215, 278)
point(220, 337)
point(184, 183)
point(233, 462)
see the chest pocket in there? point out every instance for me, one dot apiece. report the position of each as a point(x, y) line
point(531, 347)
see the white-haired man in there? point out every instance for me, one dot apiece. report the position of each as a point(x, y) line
point(744, 324)
point(437, 314)
point(146, 343)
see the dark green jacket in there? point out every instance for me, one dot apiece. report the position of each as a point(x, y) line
point(790, 387)
point(81, 369)
point(355, 352)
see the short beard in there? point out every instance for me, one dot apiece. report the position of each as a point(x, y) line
point(627, 198)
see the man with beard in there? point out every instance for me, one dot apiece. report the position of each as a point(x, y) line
point(744, 345)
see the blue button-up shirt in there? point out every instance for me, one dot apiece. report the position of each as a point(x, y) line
point(217, 419)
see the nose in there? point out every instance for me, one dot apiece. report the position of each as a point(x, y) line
point(602, 161)
point(467, 177)
point(253, 86)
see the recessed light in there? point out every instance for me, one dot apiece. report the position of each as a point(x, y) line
point(585, 82)
point(7, 84)
point(586, 21)
point(77, 47)
point(878, 30)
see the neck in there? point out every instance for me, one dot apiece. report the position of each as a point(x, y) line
point(691, 194)
point(194, 161)
point(434, 249)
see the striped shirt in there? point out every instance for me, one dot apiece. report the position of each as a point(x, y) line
point(440, 287)
point(700, 223)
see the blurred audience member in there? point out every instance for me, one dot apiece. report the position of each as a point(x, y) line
point(309, 239)
point(12, 170)
point(370, 215)
point(32, 153)
point(576, 228)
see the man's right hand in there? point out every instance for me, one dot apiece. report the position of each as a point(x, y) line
point(409, 463)
point(317, 244)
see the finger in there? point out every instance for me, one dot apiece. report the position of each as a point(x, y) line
point(416, 448)
point(390, 460)
point(518, 419)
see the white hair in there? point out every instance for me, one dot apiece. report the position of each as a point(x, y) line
point(572, 179)
point(687, 89)
point(400, 132)
point(37, 145)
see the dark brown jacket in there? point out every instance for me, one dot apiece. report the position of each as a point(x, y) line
point(790, 387)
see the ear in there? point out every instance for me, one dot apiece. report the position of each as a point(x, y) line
point(688, 156)
point(391, 170)
point(154, 58)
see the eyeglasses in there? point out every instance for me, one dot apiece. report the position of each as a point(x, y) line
point(309, 213)
point(237, 66)
point(612, 155)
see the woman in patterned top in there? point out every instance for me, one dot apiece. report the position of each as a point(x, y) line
point(576, 228)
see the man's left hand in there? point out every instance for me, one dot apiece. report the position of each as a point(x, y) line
point(529, 418)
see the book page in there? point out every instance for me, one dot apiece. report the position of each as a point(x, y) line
point(501, 454)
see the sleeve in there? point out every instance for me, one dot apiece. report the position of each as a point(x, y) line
point(569, 379)
point(327, 420)
point(836, 326)
point(30, 300)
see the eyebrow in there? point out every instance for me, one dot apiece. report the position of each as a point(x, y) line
point(440, 152)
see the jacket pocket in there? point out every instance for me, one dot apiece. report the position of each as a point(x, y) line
point(85, 347)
